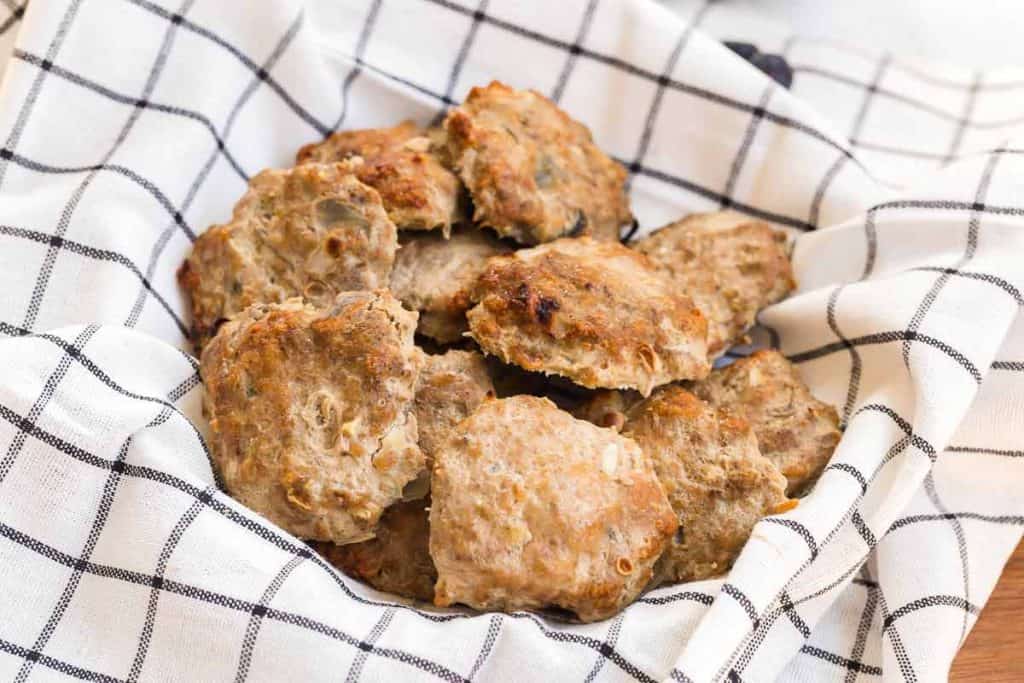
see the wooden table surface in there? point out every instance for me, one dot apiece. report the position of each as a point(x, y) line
point(994, 651)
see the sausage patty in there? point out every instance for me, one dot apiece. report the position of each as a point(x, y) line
point(311, 412)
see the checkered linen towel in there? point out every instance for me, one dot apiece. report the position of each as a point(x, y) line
point(128, 126)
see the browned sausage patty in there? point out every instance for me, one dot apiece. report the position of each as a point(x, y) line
point(597, 313)
point(534, 173)
point(794, 430)
point(731, 266)
point(716, 480)
point(434, 276)
point(311, 231)
point(533, 508)
point(450, 388)
point(311, 412)
point(398, 559)
point(402, 164)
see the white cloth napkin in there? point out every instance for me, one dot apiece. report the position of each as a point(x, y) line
point(128, 126)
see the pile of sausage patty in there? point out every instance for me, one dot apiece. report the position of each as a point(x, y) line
point(427, 352)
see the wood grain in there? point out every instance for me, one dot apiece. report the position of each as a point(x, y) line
point(992, 651)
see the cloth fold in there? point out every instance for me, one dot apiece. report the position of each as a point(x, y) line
point(127, 127)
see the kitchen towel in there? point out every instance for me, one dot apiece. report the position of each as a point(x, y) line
point(129, 126)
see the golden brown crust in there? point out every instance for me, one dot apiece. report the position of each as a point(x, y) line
point(730, 265)
point(450, 388)
point(434, 276)
point(716, 480)
point(311, 231)
point(595, 312)
point(311, 412)
point(534, 172)
point(533, 508)
point(401, 163)
point(794, 430)
point(607, 408)
point(398, 559)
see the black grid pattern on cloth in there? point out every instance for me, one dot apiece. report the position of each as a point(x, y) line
point(203, 498)
point(46, 269)
point(14, 11)
point(908, 337)
point(787, 612)
point(909, 93)
point(353, 74)
point(663, 82)
point(787, 606)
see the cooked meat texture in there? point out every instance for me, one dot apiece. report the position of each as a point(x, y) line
point(607, 408)
point(716, 480)
point(731, 266)
point(397, 560)
point(311, 412)
point(403, 165)
point(534, 173)
point(794, 430)
point(597, 313)
point(311, 231)
point(434, 276)
point(533, 508)
point(451, 386)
